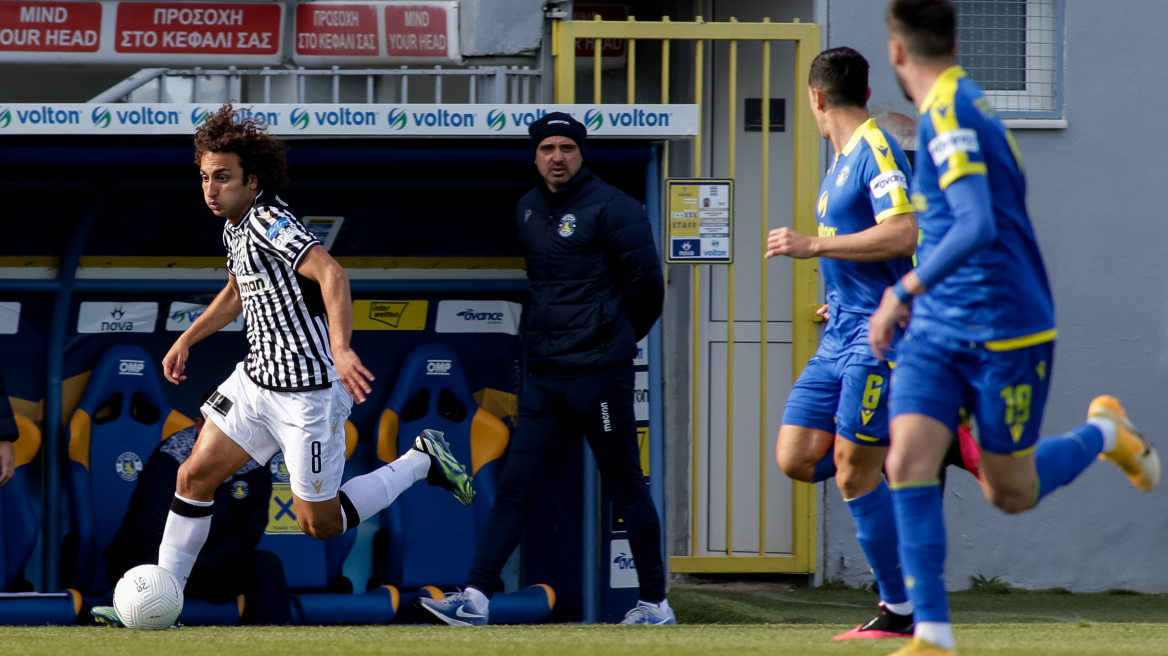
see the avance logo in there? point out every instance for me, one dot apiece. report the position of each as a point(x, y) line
point(397, 119)
point(299, 118)
point(496, 120)
point(5, 117)
point(101, 117)
point(593, 120)
point(199, 116)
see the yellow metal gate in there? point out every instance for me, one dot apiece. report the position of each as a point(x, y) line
point(800, 556)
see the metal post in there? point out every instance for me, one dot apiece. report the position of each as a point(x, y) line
point(267, 84)
point(438, 86)
point(763, 456)
point(656, 385)
point(501, 85)
point(733, 94)
point(591, 536)
point(405, 88)
point(336, 84)
point(369, 89)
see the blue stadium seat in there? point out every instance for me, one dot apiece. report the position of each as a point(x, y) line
point(18, 536)
point(123, 414)
point(312, 567)
point(431, 537)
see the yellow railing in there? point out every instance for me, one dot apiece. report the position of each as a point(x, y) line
point(803, 293)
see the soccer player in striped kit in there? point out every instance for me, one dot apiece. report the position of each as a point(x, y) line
point(295, 388)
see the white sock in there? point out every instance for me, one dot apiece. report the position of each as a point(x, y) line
point(182, 539)
point(478, 600)
point(1107, 427)
point(902, 608)
point(374, 491)
point(937, 633)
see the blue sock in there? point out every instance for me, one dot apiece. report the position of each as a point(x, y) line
point(876, 531)
point(1062, 458)
point(824, 469)
point(920, 526)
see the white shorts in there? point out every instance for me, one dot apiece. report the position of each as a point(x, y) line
point(309, 427)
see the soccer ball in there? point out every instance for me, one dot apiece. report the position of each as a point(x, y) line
point(148, 597)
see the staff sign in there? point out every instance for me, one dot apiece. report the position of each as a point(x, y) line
point(700, 220)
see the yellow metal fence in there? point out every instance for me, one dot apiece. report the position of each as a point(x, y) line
point(806, 38)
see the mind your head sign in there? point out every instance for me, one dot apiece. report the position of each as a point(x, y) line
point(430, 120)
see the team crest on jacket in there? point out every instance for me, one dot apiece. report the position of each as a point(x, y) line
point(239, 489)
point(567, 225)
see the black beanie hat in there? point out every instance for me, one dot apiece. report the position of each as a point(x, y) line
point(558, 124)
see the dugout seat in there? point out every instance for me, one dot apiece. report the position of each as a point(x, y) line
point(312, 567)
point(123, 414)
point(429, 539)
point(18, 536)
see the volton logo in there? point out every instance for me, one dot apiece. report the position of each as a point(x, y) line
point(5, 117)
point(199, 116)
point(496, 119)
point(299, 118)
point(397, 119)
point(593, 120)
point(101, 117)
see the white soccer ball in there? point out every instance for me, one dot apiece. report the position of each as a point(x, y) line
point(148, 597)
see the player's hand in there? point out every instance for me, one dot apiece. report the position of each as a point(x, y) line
point(789, 242)
point(175, 362)
point(888, 316)
point(824, 311)
point(354, 376)
point(7, 462)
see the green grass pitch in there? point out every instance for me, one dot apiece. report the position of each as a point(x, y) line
point(716, 619)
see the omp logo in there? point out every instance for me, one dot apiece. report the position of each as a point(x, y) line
point(5, 117)
point(438, 367)
point(131, 367)
point(389, 314)
point(490, 317)
point(101, 117)
point(397, 119)
point(886, 182)
point(496, 119)
point(624, 561)
point(299, 118)
point(199, 116)
point(948, 144)
point(593, 120)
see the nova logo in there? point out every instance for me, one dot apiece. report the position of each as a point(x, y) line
point(299, 118)
point(438, 367)
point(199, 116)
point(131, 367)
point(397, 119)
point(496, 119)
point(101, 117)
point(5, 117)
point(471, 315)
point(624, 561)
point(593, 120)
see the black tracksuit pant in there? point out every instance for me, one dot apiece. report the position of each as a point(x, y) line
point(550, 409)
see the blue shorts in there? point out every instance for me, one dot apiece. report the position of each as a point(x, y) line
point(845, 396)
point(1006, 389)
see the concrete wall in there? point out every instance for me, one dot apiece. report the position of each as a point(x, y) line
point(1094, 200)
point(490, 28)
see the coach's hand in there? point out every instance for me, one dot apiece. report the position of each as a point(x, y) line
point(890, 314)
point(354, 375)
point(7, 462)
point(175, 362)
point(792, 243)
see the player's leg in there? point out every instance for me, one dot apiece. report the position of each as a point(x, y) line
point(807, 436)
point(538, 431)
point(217, 454)
point(925, 399)
point(860, 450)
point(603, 403)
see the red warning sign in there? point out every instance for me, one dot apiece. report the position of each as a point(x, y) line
point(416, 31)
point(337, 30)
point(50, 27)
point(198, 28)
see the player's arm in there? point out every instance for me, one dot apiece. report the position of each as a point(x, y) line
point(630, 247)
point(222, 311)
point(895, 237)
point(317, 265)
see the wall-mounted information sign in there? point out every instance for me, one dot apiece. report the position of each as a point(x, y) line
point(699, 221)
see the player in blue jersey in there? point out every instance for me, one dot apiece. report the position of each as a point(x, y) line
point(982, 324)
point(867, 234)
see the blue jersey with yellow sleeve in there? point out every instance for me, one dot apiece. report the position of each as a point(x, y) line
point(1000, 295)
point(867, 183)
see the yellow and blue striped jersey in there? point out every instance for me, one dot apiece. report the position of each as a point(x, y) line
point(1001, 293)
point(867, 183)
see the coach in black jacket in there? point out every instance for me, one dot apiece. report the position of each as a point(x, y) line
point(596, 290)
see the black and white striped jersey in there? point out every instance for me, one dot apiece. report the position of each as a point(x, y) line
point(287, 327)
